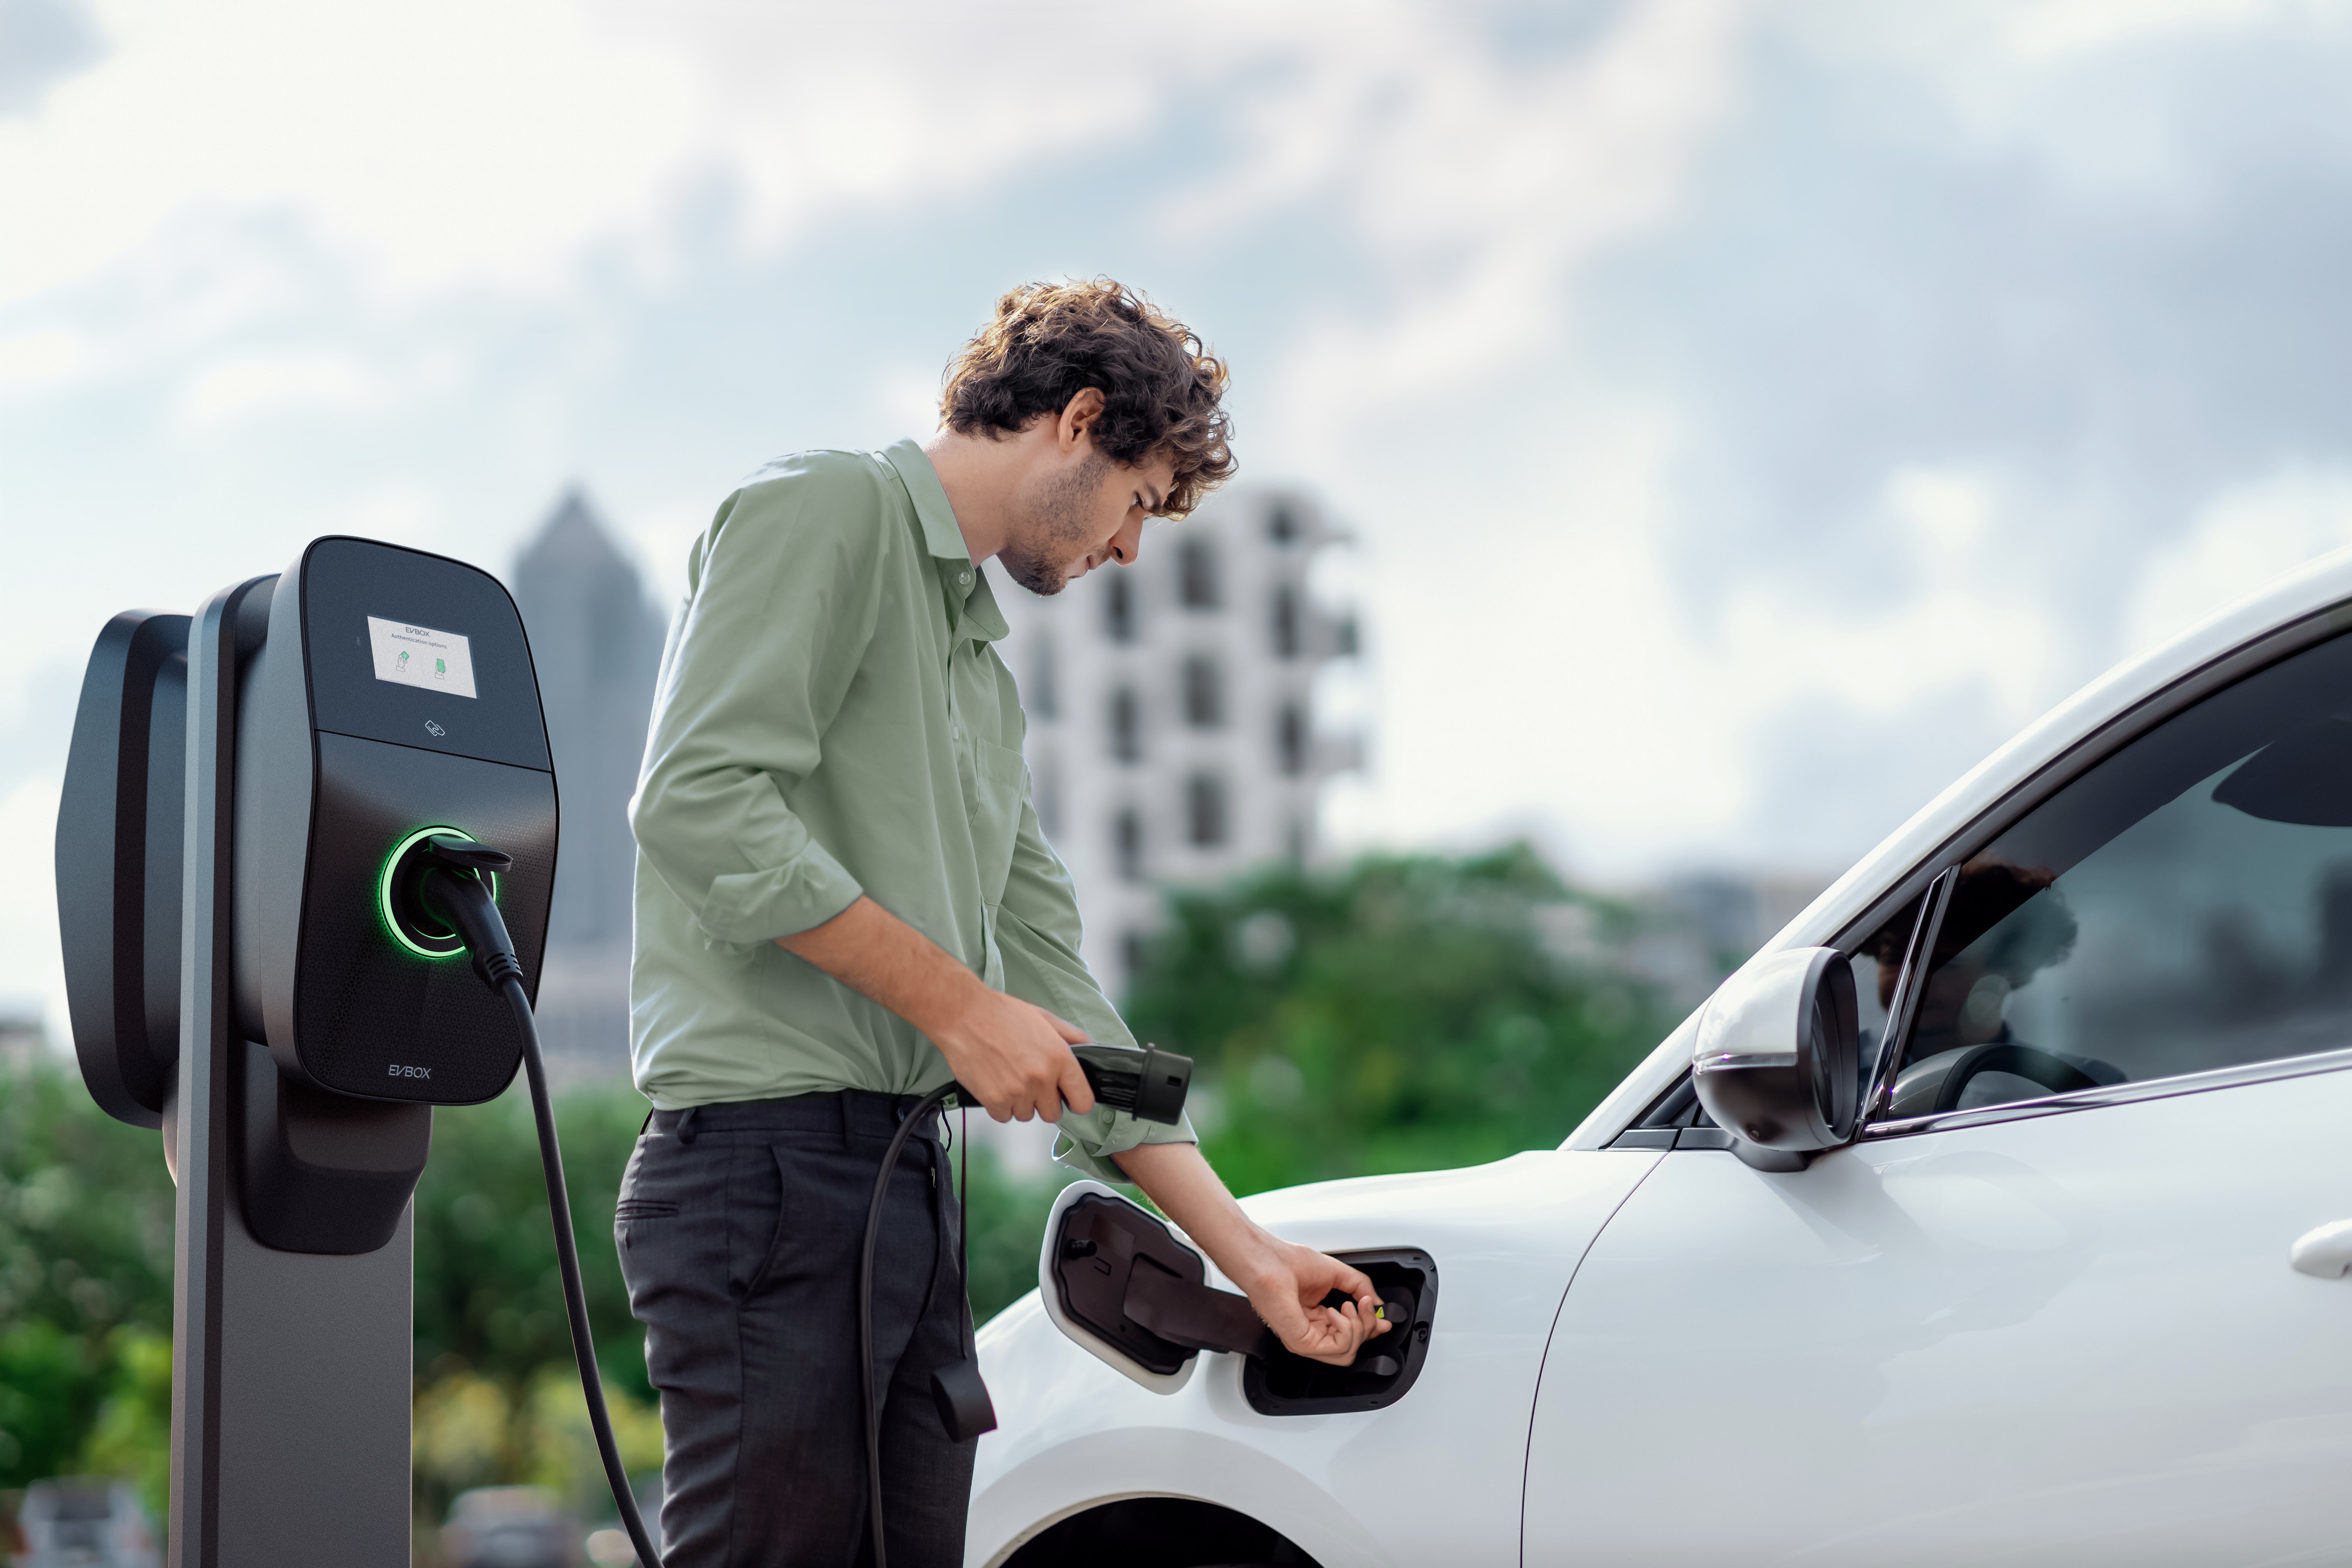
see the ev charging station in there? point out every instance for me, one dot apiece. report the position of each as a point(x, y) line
point(304, 863)
point(252, 798)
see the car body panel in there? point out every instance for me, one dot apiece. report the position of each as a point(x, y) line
point(2073, 1335)
point(1435, 1476)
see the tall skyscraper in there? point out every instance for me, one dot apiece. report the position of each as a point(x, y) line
point(598, 647)
point(1172, 735)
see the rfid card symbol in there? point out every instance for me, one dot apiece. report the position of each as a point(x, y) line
point(432, 729)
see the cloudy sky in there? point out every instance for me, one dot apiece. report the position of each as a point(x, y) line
point(1749, 412)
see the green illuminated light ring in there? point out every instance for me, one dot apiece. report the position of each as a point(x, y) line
point(383, 879)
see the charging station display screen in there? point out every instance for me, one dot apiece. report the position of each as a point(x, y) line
point(420, 656)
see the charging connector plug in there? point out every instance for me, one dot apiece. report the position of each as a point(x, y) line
point(455, 889)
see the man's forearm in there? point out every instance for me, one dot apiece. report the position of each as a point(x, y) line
point(1188, 1191)
point(878, 956)
point(1286, 1284)
point(1012, 1055)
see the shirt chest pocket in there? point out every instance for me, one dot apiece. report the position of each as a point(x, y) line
point(1001, 780)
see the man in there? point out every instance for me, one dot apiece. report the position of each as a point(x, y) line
point(843, 900)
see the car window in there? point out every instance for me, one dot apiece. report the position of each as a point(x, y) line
point(2187, 904)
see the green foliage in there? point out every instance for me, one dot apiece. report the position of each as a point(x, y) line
point(1007, 1224)
point(1404, 1015)
point(85, 1263)
point(488, 1300)
point(492, 1350)
point(131, 1437)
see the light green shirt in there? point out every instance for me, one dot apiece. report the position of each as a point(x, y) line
point(833, 720)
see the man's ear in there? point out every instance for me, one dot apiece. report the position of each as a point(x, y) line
point(1078, 417)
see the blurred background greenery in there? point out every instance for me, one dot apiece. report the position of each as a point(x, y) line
point(1404, 1013)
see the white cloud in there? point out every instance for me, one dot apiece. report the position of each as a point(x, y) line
point(2042, 31)
point(2241, 540)
point(440, 140)
point(261, 384)
point(1479, 182)
point(32, 359)
point(446, 142)
point(1962, 620)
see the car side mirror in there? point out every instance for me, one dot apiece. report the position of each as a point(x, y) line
point(1777, 1062)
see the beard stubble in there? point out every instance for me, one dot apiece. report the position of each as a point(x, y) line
point(1053, 532)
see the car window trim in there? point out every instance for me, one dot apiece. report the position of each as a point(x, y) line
point(2114, 1094)
point(1910, 983)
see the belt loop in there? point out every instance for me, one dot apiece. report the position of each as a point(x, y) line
point(842, 1116)
point(686, 1125)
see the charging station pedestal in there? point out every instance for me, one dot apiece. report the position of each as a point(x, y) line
point(241, 789)
point(292, 1381)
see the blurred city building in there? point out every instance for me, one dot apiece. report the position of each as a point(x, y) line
point(596, 645)
point(1172, 730)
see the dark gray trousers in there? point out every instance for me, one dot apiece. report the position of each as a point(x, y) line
point(740, 1227)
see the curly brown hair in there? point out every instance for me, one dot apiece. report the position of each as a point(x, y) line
point(1163, 390)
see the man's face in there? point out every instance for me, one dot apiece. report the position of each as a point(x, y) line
point(1071, 515)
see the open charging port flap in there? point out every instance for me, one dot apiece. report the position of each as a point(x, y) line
point(1129, 1289)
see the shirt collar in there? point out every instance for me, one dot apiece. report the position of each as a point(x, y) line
point(972, 606)
point(942, 537)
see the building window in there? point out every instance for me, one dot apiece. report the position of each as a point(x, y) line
point(1204, 810)
point(1290, 738)
point(1044, 698)
point(1204, 694)
point(1293, 840)
point(1282, 527)
point(1285, 622)
point(1197, 566)
point(1134, 953)
point(1126, 726)
point(1118, 608)
point(1126, 845)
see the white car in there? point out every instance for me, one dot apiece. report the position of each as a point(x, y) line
point(2047, 1268)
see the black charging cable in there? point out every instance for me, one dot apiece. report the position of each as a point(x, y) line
point(454, 889)
point(924, 1109)
point(1149, 1083)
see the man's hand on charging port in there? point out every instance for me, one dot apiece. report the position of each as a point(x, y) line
point(1285, 1282)
point(1014, 1055)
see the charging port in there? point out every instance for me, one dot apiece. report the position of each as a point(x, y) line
point(400, 896)
point(1281, 1383)
point(1130, 1290)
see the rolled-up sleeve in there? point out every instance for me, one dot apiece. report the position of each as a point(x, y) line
point(782, 603)
point(1037, 933)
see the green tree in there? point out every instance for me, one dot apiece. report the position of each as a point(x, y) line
point(1406, 1014)
point(85, 1265)
point(490, 1329)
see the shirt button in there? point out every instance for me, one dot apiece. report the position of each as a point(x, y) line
point(963, 578)
point(955, 732)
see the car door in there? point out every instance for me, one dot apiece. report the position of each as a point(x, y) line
point(2043, 1309)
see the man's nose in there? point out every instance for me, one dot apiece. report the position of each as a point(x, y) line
point(1126, 545)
